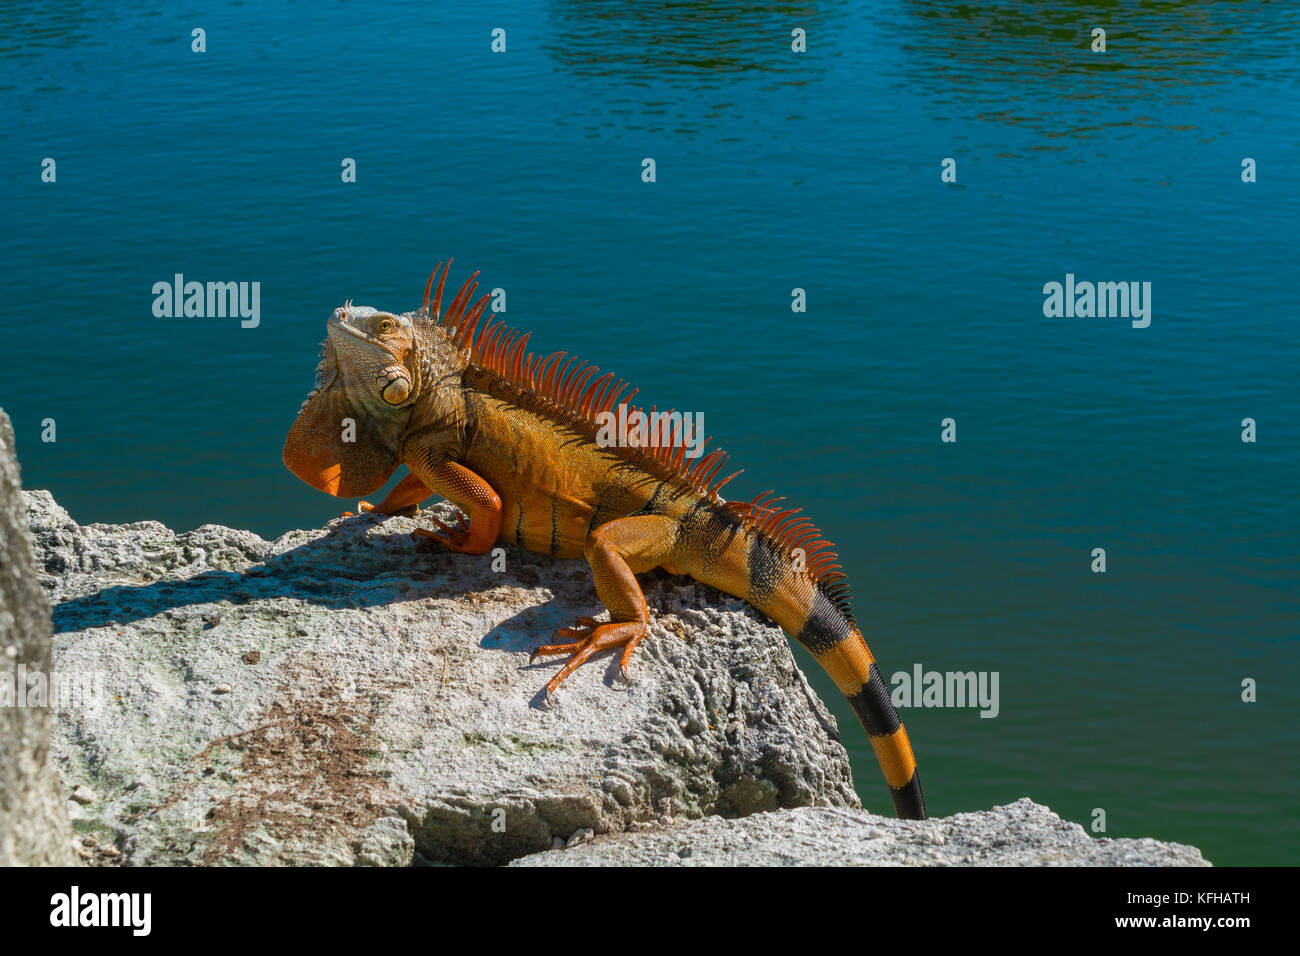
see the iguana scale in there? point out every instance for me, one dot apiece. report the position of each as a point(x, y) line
point(511, 438)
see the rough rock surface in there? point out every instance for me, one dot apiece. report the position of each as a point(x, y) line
point(33, 825)
point(341, 696)
point(1018, 834)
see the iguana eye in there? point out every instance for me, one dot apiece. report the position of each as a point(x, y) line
point(386, 326)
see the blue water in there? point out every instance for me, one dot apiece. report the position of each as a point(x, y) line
point(775, 170)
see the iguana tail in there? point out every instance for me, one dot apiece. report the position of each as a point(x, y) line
point(832, 638)
point(779, 563)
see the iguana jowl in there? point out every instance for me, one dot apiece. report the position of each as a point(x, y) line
point(511, 438)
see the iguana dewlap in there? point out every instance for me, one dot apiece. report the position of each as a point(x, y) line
point(513, 440)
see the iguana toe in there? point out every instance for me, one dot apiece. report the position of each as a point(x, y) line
point(589, 638)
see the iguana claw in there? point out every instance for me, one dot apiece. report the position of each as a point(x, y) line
point(454, 539)
point(588, 638)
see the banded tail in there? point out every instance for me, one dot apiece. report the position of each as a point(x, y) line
point(751, 545)
point(838, 645)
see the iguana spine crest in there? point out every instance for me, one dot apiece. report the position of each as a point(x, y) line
point(574, 398)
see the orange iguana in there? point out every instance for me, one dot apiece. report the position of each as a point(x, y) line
point(515, 440)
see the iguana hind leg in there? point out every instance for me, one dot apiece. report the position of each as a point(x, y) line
point(617, 551)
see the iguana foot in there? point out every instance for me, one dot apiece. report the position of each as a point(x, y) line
point(590, 637)
point(366, 508)
point(454, 539)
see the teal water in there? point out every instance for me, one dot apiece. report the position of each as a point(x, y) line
point(775, 170)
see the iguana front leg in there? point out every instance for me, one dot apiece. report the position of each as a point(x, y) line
point(475, 496)
point(617, 551)
point(409, 491)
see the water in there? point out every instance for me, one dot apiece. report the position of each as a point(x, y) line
point(819, 171)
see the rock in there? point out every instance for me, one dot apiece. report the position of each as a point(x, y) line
point(1018, 834)
point(33, 822)
point(582, 836)
point(386, 842)
point(83, 794)
point(392, 715)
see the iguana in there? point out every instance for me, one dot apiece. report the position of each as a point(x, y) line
point(515, 441)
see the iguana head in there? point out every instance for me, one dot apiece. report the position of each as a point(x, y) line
point(376, 369)
point(377, 355)
point(349, 429)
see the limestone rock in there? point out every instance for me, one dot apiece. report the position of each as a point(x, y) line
point(33, 822)
point(344, 696)
point(1018, 834)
